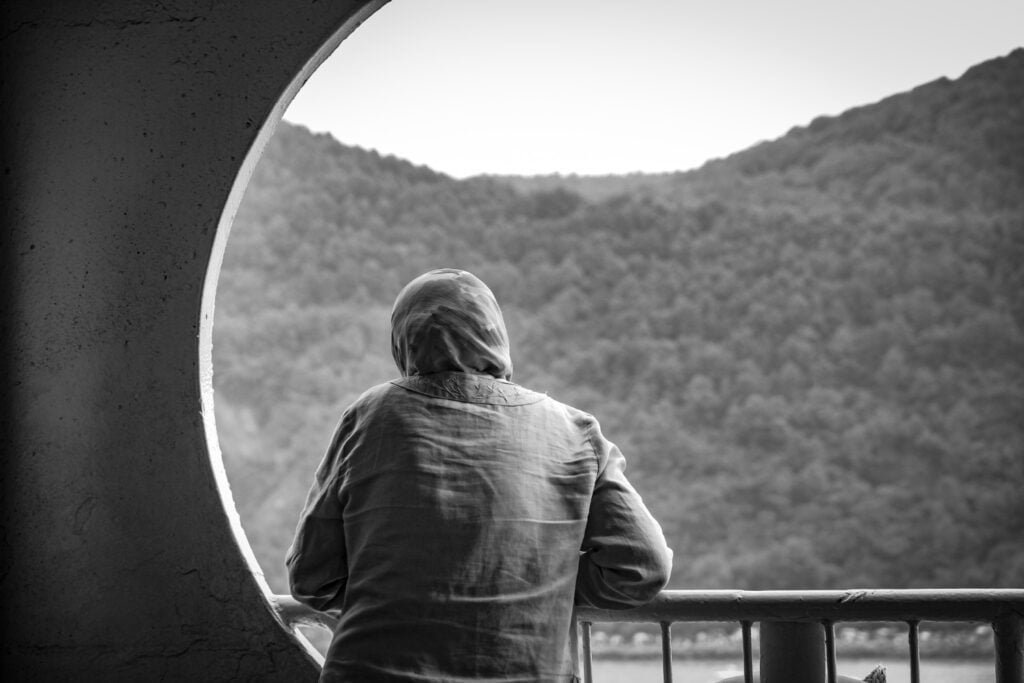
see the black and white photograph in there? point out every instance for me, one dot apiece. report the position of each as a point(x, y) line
point(413, 341)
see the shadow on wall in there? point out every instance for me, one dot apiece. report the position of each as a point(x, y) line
point(126, 126)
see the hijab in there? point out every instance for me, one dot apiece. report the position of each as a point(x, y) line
point(448, 320)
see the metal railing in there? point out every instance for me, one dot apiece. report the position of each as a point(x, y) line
point(797, 627)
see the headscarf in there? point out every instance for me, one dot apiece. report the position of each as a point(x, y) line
point(448, 320)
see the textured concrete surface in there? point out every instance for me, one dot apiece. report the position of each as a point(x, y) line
point(125, 126)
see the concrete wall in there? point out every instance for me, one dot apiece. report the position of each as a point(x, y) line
point(125, 125)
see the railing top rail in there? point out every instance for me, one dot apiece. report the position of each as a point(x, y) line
point(986, 605)
point(825, 605)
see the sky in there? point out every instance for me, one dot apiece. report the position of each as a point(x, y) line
point(594, 86)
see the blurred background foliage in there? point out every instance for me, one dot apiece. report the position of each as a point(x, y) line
point(811, 352)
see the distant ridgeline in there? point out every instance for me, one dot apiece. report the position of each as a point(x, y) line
point(811, 352)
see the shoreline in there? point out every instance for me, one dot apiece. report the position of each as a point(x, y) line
point(655, 655)
point(966, 645)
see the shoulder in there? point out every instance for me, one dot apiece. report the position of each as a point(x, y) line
point(580, 418)
point(371, 401)
point(373, 396)
point(583, 424)
point(589, 429)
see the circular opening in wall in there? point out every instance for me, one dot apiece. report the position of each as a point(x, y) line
point(213, 293)
point(682, 308)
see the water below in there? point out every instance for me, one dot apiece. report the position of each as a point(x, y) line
point(710, 671)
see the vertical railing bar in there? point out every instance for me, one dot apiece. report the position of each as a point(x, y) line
point(1005, 614)
point(915, 651)
point(574, 645)
point(666, 651)
point(830, 650)
point(588, 665)
point(1009, 636)
point(748, 654)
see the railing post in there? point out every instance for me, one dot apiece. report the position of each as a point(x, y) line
point(588, 658)
point(914, 639)
point(748, 654)
point(1009, 633)
point(830, 650)
point(792, 652)
point(574, 644)
point(666, 652)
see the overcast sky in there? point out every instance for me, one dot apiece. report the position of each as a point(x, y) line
point(596, 86)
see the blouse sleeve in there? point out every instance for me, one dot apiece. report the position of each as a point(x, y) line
point(624, 560)
point(317, 560)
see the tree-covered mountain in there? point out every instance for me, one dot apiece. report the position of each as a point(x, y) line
point(811, 352)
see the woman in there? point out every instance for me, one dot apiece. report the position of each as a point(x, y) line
point(456, 515)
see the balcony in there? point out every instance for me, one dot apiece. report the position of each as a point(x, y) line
point(797, 627)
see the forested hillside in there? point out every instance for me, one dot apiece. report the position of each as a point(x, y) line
point(811, 352)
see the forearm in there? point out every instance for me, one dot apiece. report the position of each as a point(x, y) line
point(317, 571)
point(625, 560)
point(624, 574)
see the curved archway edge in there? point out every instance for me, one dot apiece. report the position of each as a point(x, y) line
point(130, 131)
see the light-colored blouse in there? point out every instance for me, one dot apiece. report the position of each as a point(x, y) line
point(455, 520)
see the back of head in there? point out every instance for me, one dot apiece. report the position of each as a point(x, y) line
point(448, 320)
